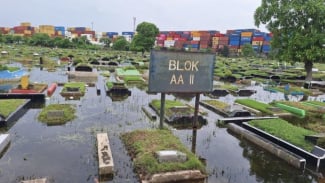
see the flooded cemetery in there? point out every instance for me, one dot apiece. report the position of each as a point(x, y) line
point(85, 116)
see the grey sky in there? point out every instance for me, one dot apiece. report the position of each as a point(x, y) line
point(117, 15)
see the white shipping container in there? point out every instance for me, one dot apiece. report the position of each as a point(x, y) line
point(196, 38)
point(128, 37)
point(169, 43)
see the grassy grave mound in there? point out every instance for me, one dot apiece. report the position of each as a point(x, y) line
point(8, 106)
point(142, 145)
point(314, 112)
point(78, 86)
point(286, 131)
point(266, 109)
point(66, 112)
point(218, 104)
point(170, 105)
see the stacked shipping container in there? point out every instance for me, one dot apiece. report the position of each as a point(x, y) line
point(128, 35)
point(200, 40)
point(82, 31)
point(190, 40)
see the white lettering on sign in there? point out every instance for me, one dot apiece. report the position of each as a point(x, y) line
point(191, 79)
point(188, 65)
point(185, 66)
point(177, 80)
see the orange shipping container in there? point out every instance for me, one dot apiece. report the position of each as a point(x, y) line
point(27, 32)
point(246, 34)
point(25, 24)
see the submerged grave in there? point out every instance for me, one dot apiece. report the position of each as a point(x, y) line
point(146, 148)
point(57, 114)
point(178, 114)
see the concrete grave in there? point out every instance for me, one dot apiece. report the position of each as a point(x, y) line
point(105, 158)
point(54, 114)
point(171, 156)
point(43, 180)
point(4, 142)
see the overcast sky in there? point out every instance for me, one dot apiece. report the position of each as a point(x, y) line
point(117, 15)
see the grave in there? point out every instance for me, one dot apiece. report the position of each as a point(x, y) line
point(105, 158)
point(42, 180)
point(55, 114)
point(170, 156)
point(4, 142)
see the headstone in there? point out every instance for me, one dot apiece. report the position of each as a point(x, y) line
point(53, 114)
point(43, 180)
point(4, 141)
point(72, 89)
point(170, 156)
point(105, 158)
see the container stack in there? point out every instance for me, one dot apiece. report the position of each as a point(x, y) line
point(266, 43)
point(81, 31)
point(258, 39)
point(47, 29)
point(4, 30)
point(59, 31)
point(189, 40)
point(24, 29)
point(110, 35)
point(246, 38)
point(205, 40)
point(128, 35)
point(219, 41)
point(234, 42)
point(160, 40)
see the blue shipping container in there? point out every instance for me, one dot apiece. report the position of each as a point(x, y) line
point(59, 28)
point(127, 33)
point(234, 43)
point(234, 35)
point(256, 47)
point(245, 42)
point(249, 39)
point(266, 47)
point(259, 34)
point(80, 29)
point(194, 46)
point(267, 38)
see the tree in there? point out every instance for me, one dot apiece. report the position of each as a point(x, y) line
point(40, 39)
point(298, 28)
point(247, 50)
point(17, 39)
point(107, 41)
point(145, 38)
point(121, 44)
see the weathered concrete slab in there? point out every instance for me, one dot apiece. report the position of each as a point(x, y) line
point(149, 112)
point(54, 114)
point(43, 180)
point(171, 156)
point(4, 142)
point(105, 158)
point(178, 176)
point(291, 158)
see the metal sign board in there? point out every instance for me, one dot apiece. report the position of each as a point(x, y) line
point(172, 72)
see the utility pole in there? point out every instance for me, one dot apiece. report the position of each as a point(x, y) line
point(134, 22)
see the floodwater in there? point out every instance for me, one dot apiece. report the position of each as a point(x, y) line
point(68, 154)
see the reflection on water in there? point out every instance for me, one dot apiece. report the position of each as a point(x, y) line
point(4, 88)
